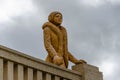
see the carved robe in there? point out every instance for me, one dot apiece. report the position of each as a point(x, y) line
point(55, 41)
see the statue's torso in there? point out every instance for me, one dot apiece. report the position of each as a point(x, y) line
point(56, 42)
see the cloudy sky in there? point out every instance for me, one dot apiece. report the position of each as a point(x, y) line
point(93, 28)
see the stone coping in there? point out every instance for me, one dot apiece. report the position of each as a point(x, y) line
point(33, 62)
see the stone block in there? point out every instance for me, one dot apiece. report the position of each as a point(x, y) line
point(88, 72)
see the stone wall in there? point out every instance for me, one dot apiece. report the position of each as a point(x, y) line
point(15, 65)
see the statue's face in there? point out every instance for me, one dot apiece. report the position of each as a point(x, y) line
point(58, 19)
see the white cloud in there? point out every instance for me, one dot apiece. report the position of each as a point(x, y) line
point(10, 8)
point(92, 2)
point(97, 3)
point(114, 1)
point(108, 66)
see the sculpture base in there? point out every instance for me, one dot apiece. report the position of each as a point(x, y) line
point(88, 72)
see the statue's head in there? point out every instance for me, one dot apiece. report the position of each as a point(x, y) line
point(55, 18)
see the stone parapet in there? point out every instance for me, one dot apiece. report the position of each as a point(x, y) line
point(89, 72)
point(15, 65)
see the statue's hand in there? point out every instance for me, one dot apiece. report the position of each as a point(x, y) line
point(58, 60)
point(81, 62)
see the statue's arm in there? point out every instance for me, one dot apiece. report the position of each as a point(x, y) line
point(72, 58)
point(47, 43)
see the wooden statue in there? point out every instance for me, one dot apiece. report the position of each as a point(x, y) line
point(55, 41)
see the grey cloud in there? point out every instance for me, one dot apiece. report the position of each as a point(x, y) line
point(25, 35)
point(93, 32)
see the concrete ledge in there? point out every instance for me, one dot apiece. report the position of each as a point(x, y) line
point(89, 72)
point(35, 63)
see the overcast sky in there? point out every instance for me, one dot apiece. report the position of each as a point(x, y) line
point(93, 28)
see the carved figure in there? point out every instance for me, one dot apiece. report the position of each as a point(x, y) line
point(55, 41)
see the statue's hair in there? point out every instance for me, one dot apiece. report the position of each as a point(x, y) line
point(51, 16)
